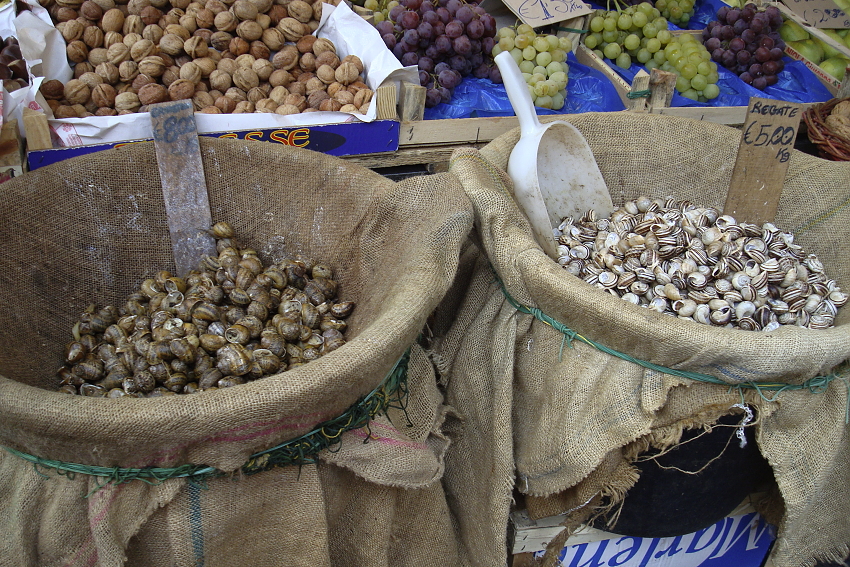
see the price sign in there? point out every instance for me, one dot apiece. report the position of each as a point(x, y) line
point(538, 13)
point(820, 13)
point(187, 205)
point(767, 139)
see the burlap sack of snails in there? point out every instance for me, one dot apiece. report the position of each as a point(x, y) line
point(89, 230)
point(562, 420)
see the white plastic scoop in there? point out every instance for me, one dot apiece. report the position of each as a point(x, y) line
point(552, 168)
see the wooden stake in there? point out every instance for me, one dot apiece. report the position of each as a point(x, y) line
point(411, 102)
point(767, 139)
point(639, 83)
point(37, 130)
point(178, 155)
point(387, 96)
point(662, 84)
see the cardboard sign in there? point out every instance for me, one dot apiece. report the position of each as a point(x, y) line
point(820, 13)
point(538, 13)
point(767, 139)
point(178, 155)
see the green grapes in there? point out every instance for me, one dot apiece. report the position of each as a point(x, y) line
point(639, 34)
point(542, 60)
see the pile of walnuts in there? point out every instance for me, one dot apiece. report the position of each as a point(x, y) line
point(226, 56)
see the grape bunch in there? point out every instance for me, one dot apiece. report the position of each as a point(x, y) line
point(542, 59)
point(446, 39)
point(746, 41)
point(677, 11)
point(639, 34)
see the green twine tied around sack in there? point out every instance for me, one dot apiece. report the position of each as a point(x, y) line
point(390, 394)
point(815, 385)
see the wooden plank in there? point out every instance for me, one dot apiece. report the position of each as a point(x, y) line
point(764, 152)
point(11, 151)
point(178, 155)
point(37, 130)
point(640, 84)
point(386, 100)
point(456, 130)
point(730, 115)
point(662, 84)
point(411, 102)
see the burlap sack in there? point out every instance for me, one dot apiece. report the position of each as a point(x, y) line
point(89, 230)
point(565, 419)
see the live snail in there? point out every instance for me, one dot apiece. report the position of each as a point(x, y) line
point(697, 264)
point(231, 321)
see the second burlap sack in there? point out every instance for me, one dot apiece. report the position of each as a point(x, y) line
point(564, 419)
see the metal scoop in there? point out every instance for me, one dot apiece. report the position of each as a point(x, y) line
point(552, 168)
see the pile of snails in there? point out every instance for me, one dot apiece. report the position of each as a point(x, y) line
point(231, 321)
point(697, 264)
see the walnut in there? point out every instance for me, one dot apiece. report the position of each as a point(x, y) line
point(842, 108)
point(170, 75)
point(349, 108)
point(152, 93)
point(244, 10)
point(77, 92)
point(220, 80)
point(141, 80)
point(297, 87)
point(188, 23)
point(72, 30)
point(245, 79)
point(315, 98)
point(363, 97)
point(153, 32)
point(225, 104)
point(131, 38)
point(286, 58)
point(244, 107)
point(249, 30)
point(196, 47)
point(52, 89)
point(91, 78)
point(93, 36)
point(300, 10)
point(202, 100)
point(171, 44)
point(245, 61)
point(210, 110)
point(108, 72)
point(329, 105)
point(292, 29)
point(236, 94)
point(286, 109)
point(220, 40)
point(81, 68)
point(346, 73)
point(112, 20)
point(327, 58)
point(239, 46)
point(322, 45)
point(255, 95)
point(260, 50)
point(65, 14)
point(111, 38)
point(150, 15)
point(263, 68)
point(98, 55)
point(277, 13)
point(133, 24)
point(344, 97)
point(117, 53)
point(215, 6)
point(181, 89)
point(105, 4)
point(264, 20)
point(278, 94)
point(296, 100)
point(141, 49)
point(326, 74)
point(103, 95)
point(280, 78)
point(81, 110)
point(262, 6)
point(191, 72)
point(358, 63)
point(207, 66)
point(273, 39)
point(77, 51)
point(307, 62)
point(137, 6)
point(266, 105)
point(65, 111)
point(105, 111)
point(128, 70)
point(229, 66)
point(179, 30)
point(226, 21)
point(317, 10)
point(152, 65)
point(128, 101)
point(334, 88)
point(315, 84)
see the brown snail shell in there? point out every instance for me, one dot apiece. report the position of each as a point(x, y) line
point(210, 378)
point(176, 382)
point(68, 389)
point(230, 381)
point(237, 334)
point(92, 390)
point(233, 359)
point(211, 343)
point(342, 309)
point(75, 352)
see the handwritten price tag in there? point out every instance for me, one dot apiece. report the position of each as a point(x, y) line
point(538, 13)
point(767, 139)
point(178, 155)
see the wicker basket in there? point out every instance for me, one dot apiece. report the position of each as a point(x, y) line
point(830, 145)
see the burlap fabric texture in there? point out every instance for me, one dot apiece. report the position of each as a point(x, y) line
point(565, 419)
point(91, 229)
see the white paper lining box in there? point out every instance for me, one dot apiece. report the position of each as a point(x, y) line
point(742, 539)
